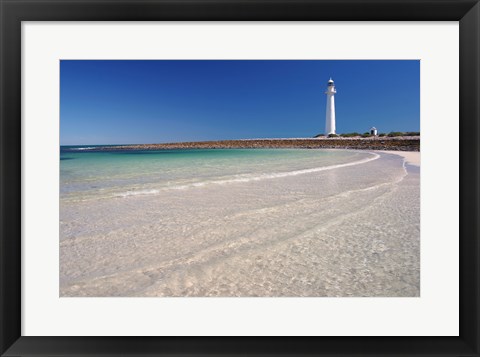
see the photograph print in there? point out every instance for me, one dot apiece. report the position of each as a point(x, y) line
point(239, 178)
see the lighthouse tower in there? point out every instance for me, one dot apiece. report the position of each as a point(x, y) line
point(330, 119)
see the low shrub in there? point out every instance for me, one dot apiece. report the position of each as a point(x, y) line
point(349, 135)
point(332, 135)
point(382, 134)
point(395, 133)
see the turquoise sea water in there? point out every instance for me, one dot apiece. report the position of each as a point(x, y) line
point(87, 173)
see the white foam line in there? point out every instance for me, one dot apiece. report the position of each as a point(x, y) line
point(137, 193)
point(253, 178)
point(297, 172)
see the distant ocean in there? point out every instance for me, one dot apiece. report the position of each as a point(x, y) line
point(238, 222)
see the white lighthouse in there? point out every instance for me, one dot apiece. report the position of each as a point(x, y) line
point(330, 118)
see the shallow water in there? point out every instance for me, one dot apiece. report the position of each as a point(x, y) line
point(239, 223)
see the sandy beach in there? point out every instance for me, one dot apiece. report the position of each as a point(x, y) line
point(320, 224)
point(411, 157)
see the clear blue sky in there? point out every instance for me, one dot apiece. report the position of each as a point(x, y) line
point(128, 102)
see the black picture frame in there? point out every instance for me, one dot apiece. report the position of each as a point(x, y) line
point(13, 12)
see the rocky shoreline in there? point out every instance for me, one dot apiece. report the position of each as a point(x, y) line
point(410, 143)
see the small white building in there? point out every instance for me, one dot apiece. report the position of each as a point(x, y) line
point(373, 131)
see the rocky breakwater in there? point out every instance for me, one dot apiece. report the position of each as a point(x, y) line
point(406, 143)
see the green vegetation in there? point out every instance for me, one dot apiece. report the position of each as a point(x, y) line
point(395, 133)
point(349, 135)
point(368, 135)
point(400, 133)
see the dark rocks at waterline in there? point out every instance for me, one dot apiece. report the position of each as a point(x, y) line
point(395, 144)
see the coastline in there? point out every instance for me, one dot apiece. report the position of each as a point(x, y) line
point(410, 143)
point(411, 157)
